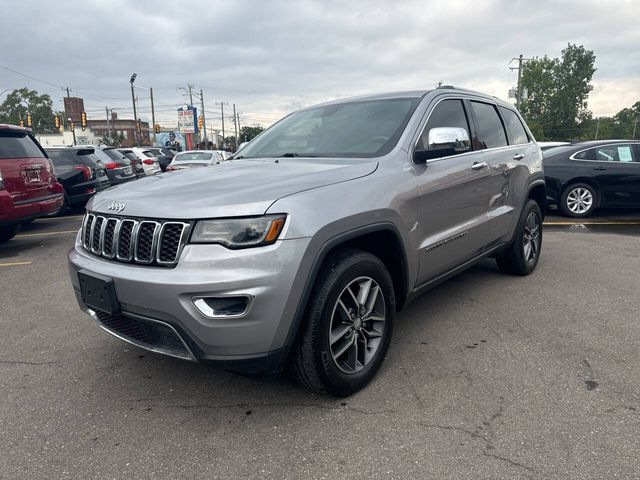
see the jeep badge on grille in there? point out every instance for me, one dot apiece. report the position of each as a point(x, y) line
point(117, 206)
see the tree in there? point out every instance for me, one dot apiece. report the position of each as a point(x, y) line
point(22, 100)
point(249, 133)
point(557, 91)
point(113, 141)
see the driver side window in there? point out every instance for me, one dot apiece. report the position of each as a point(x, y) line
point(448, 113)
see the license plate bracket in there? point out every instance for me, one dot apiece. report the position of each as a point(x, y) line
point(98, 292)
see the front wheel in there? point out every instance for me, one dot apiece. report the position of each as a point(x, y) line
point(348, 327)
point(523, 254)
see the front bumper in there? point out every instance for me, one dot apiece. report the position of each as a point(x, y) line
point(266, 274)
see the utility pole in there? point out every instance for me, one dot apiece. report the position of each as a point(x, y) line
point(106, 109)
point(204, 122)
point(68, 94)
point(222, 104)
point(635, 124)
point(239, 128)
point(153, 117)
point(235, 126)
point(135, 114)
point(521, 61)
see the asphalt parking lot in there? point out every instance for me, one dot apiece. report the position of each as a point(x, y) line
point(488, 376)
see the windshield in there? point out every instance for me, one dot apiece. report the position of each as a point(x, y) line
point(190, 156)
point(351, 129)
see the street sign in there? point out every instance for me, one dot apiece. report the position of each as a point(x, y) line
point(187, 119)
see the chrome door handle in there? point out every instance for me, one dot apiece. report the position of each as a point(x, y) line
point(518, 156)
point(478, 166)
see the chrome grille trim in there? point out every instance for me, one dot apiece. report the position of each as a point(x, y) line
point(181, 242)
point(129, 256)
point(137, 240)
point(145, 240)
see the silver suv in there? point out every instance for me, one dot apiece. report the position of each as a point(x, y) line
point(300, 250)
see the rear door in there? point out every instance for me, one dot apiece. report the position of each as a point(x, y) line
point(27, 172)
point(616, 169)
point(453, 195)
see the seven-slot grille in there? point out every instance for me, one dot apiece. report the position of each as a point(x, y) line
point(146, 242)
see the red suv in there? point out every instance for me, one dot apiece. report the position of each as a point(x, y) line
point(28, 186)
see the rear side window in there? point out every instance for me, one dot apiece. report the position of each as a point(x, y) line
point(448, 113)
point(515, 127)
point(18, 145)
point(607, 153)
point(491, 132)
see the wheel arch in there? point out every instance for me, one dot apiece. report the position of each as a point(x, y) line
point(589, 181)
point(537, 191)
point(374, 239)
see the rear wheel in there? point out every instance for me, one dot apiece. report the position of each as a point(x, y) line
point(578, 200)
point(7, 233)
point(523, 254)
point(348, 326)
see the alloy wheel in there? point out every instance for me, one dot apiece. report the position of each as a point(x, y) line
point(579, 200)
point(531, 243)
point(357, 325)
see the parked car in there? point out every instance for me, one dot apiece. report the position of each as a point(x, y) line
point(119, 168)
point(164, 155)
point(301, 253)
point(80, 172)
point(136, 163)
point(544, 146)
point(196, 158)
point(28, 186)
point(588, 175)
point(149, 161)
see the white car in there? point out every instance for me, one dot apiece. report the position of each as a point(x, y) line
point(197, 158)
point(150, 163)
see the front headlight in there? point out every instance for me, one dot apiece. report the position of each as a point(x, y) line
point(239, 232)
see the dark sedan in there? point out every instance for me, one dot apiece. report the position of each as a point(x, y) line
point(138, 169)
point(588, 175)
point(119, 168)
point(80, 172)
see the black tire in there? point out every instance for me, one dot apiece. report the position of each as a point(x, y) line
point(564, 200)
point(312, 363)
point(517, 259)
point(7, 233)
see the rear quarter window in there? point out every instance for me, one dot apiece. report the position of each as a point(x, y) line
point(18, 145)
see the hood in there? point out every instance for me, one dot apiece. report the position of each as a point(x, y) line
point(231, 188)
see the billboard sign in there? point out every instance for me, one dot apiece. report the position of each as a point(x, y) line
point(187, 122)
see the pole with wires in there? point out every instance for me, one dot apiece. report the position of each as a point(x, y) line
point(204, 122)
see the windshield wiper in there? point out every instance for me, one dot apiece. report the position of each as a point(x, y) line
point(307, 155)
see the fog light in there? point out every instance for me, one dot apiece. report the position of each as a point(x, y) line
point(213, 307)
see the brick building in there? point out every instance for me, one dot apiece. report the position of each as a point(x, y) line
point(126, 128)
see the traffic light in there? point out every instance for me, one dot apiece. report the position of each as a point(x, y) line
point(29, 119)
point(200, 122)
point(156, 128)
point(56, 122)
point(139, 126)
point(72, 125)
point(83, 121)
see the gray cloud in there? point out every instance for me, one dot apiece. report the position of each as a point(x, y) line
point(270, 57)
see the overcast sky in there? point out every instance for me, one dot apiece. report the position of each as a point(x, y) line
point(270, 57)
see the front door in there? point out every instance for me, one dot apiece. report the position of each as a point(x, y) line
point(617, 172)
point(453, 198)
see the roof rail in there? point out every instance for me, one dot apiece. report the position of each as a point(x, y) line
point(448, 87)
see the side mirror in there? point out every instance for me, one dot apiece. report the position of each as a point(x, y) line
point(443, 142)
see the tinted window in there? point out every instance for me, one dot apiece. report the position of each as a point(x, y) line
point(515, 127)
point(348, 129)
point(490, 130)
point(448, 113)
point(18, 145)
point(63, 158)
point(114, 154)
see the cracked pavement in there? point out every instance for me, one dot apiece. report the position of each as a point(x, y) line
point(488, 376)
